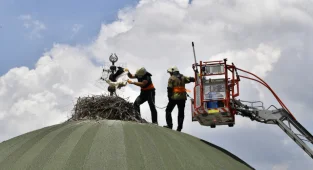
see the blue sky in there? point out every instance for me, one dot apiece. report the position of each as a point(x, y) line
point(59, 17)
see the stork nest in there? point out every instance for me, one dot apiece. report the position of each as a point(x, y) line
point(99, 107)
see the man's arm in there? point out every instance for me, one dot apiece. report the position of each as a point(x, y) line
point(189, 79)
point(169, 88)
point(131, 75)
point(140, 84)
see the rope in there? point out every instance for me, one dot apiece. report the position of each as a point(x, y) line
point(166, 105)
point(156, 105)
point(189, 96)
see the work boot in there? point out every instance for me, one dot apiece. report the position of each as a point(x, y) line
point(179, 128)
point(169, 127)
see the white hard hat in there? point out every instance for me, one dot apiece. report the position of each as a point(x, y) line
point(141, 72)
point(172, 69)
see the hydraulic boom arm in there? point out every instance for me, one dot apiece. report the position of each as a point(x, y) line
point(278, 117)
point(215, 102)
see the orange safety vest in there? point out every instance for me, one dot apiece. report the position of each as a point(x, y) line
point(151, 86)
point(180, 89)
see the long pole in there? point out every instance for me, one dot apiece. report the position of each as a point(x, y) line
point(194, 55)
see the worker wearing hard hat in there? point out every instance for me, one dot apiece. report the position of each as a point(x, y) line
point(147, 91)
point(177, 96)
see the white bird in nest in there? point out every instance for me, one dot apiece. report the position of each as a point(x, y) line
point(121, 79)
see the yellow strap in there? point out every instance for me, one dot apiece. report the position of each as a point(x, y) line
point(213, 111)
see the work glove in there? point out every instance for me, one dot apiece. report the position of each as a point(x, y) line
point(191, 79)
point(129, 74)
point(129, 81)
point(126, 69)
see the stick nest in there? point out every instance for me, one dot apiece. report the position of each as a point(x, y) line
point(99, 107)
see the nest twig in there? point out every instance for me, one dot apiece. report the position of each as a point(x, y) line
point(99, 107)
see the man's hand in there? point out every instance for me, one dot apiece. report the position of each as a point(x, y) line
point(129, 81)
point(126, 69)
point(192, 79)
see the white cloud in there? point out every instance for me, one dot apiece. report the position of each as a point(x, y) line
point(35, 26)
point(76, 28)
point(281, 167)
point(258, 36)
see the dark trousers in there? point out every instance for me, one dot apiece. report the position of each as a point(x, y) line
point(149, 96)
point(181, 112)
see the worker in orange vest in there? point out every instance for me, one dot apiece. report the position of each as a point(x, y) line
point(177, 95)
point(147, 92)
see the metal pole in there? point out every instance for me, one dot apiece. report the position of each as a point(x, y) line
point(194, 55)
point(113, 59)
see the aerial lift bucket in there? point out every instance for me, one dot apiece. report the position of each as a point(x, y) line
point(215, 102)
point(212, 95)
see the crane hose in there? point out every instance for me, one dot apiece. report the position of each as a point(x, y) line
point(268, 87)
